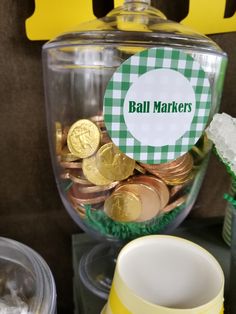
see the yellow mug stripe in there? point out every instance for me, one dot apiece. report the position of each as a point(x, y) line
point(117, 307)
point(115, 303)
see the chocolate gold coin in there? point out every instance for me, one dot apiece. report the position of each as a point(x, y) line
point(92, 173)
point(123, 206)
point(150, 200)
point(155, 183)
point(83, 138)
point(113, 164)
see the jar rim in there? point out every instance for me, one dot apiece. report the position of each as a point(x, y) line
point(45, 285)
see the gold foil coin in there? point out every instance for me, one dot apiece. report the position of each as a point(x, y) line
point(92, 173)
point(83, 138)
point(123, 206)
point(150, 200)
point(155, 183)
point(113, 164)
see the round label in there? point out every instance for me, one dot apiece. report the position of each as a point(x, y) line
point(157, 104)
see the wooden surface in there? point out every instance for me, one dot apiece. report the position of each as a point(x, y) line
point(30, 208)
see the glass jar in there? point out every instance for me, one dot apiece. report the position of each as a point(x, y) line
point(78, 68)
point(26, 282)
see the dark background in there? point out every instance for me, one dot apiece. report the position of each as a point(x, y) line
point(30, 209)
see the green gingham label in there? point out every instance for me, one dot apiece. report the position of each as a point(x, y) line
point(157, 104)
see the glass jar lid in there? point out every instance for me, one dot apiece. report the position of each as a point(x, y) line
point(136, 21)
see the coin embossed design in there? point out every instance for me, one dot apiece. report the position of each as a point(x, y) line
point(83, 138)
point(92, 173)
point(113, 164)
point(123, 206)
point(150, 200)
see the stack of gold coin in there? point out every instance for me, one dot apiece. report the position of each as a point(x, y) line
point(149, 196)
point(104, 177)
point(92, 163)
point(86, 197)
point(175, 172)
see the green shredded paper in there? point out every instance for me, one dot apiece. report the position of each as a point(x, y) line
point(98, 220)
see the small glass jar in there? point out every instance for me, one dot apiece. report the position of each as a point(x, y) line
point(78, 68)
point(26, 282)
